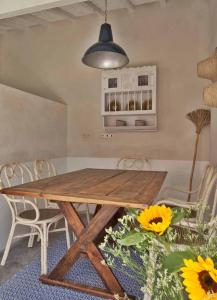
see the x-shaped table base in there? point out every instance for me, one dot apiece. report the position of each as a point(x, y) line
point(84, 245)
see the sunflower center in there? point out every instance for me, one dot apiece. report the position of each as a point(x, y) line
point(156, 220)
point(206, 281)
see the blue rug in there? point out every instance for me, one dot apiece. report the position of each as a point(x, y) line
point(25, 285)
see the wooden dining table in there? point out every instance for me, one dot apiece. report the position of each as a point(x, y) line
point(111, 190)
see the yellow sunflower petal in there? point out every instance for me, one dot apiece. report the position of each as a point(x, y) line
point(155, 218)
point(210, 297)
point(195, 275)
point(213, 274)
point(206, 263)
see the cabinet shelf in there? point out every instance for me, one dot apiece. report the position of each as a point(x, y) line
point(130, 128)
point(138, 89)
point(131, 113)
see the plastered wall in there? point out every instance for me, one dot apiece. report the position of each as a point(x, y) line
point(31, 127)
point(47, 62)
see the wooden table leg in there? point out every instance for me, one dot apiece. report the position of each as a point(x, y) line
point(111, 223)
point(85, 244)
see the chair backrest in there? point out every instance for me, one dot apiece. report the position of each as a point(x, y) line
point(44, 169)
point(136, 163)
point(12, 174)
point(206, 179)
point(206, 191)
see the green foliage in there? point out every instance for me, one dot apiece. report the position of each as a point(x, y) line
point(175, 260)
point(133, 212)
point(179, 214)
point(153, 260)
point(132, 239)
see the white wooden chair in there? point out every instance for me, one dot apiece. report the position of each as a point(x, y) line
point(26, 212)
point(131, 162)
point(45, 169)
point(204, 193)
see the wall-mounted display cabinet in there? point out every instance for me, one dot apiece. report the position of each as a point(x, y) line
point(129, 99)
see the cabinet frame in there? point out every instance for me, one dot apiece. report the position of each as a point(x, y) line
point(131, 94)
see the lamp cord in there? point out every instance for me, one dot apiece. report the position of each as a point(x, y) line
point(106, 11)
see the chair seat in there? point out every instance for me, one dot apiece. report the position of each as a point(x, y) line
point(45, 214)
point(174, 202)
point(183, 232)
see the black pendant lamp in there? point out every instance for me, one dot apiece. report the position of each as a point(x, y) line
point(105, 54)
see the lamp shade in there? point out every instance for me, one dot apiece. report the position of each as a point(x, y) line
point(105, 54)
point(207, 68)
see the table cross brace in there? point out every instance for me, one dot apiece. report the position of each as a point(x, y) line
point(85, 244)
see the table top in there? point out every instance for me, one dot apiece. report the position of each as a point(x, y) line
point(123, 188)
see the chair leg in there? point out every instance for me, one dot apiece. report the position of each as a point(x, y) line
point(41, 237)
point(38, 238)
point(48, 229)
point(55, 225)
point(31, 238)
point(8, 245)
point(44, 249)
point(87, 213)
point(68, 242)
point(74, 238)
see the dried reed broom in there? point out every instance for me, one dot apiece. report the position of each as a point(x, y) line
point(201, 118)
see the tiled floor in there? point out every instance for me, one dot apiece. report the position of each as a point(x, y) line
point(25, 285)
point(20, 255)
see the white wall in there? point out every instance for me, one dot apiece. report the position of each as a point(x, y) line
point(47, 62)
point(31, 127)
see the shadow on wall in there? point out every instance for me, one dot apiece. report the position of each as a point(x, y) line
point(45, 90)
point(18, 156)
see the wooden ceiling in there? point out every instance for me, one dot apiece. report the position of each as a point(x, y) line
point(69, 12)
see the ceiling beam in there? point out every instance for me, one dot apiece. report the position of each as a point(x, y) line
point(25, 22)
point(34, 20)
point(12, 8)
point(96, 9)
point(63, 13)
point(129, 5)
point(150, 1)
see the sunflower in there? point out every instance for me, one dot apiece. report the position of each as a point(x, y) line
point(211, 297)
point(155, 218)
point(200, 278)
